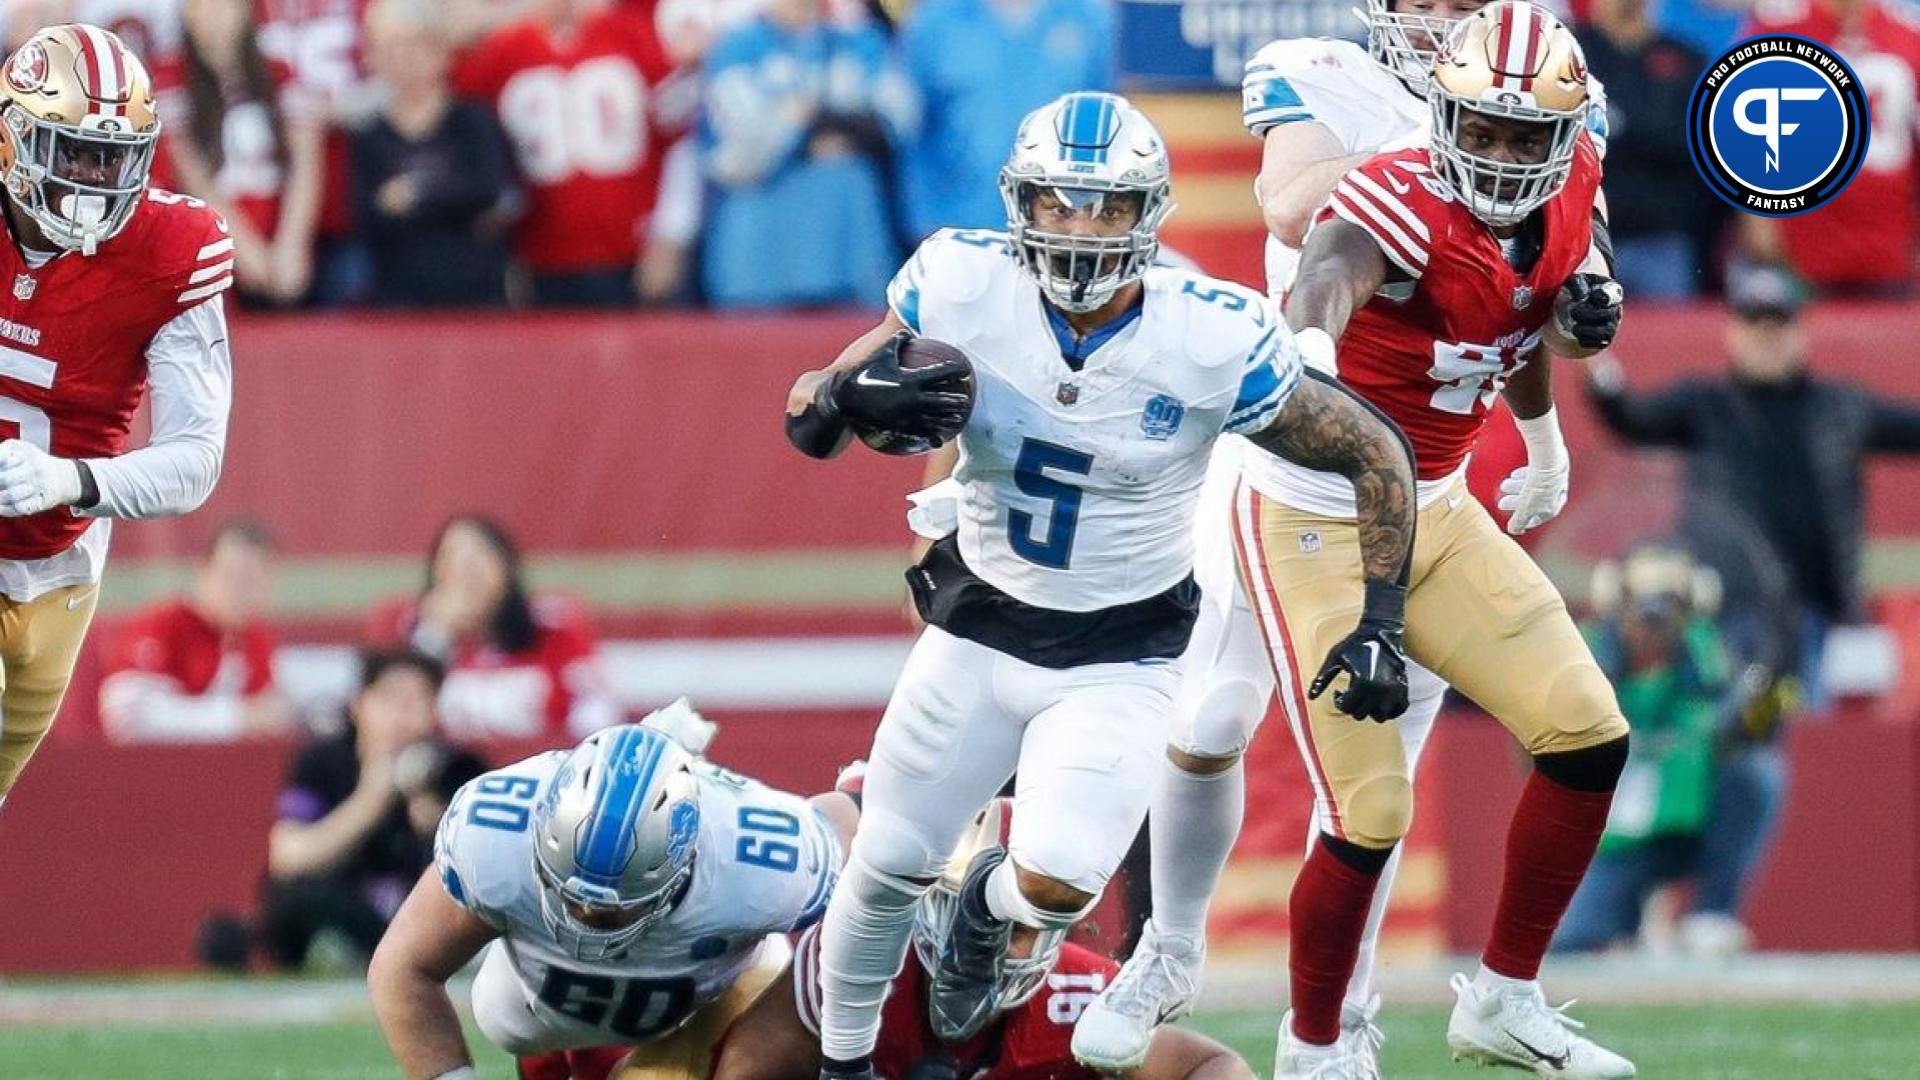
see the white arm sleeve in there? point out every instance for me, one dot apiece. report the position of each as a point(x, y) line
point(139, 707)
point(191, 378)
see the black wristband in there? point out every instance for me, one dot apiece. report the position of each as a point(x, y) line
point(819, 431)
point(89, 487)
point(1386, 603)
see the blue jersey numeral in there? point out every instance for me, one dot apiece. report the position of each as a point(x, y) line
point(1055, 549)
point(508, 813)
point(763, 850)
point(1225, 298)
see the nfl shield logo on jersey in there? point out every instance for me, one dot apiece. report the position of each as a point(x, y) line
point(1162, 417)
point(1066, 393)
point(23, 285)
point(1522, 297)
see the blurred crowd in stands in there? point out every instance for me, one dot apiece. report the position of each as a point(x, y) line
point(780, 153)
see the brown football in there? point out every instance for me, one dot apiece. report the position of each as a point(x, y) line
point(925, 352)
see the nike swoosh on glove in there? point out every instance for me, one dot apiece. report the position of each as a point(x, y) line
point(1588, 309)
point(1532, 497)
point(879, 394)
point(33, 481)
point(1375, 664)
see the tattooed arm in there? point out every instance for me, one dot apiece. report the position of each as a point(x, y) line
point(1325, 426)
point(1328, 427)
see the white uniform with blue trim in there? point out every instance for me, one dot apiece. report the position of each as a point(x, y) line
point(764, 864)
point(1080, 485)
point(1078, 490)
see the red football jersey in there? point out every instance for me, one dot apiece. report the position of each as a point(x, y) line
point(1433, 353)
point(173, 640)
point(322, 43)
point(555, 689)
point(579, 114)
point(73, 340)
point(1867, 235)
point(1035, 1042)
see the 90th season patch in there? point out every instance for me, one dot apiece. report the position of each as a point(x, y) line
point(1778, 125)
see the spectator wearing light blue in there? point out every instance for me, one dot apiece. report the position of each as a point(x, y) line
point(800, 123)
point(982, 65)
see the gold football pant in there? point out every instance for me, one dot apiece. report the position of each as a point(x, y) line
point(689, 1053)
point(39, 644)
point(1480, 614)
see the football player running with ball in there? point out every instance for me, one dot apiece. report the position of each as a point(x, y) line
point(107, 289)
point(626, 892)
point(1090, 388)
point(1321, 107)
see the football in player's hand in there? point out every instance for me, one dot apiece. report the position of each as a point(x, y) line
point(930, 385)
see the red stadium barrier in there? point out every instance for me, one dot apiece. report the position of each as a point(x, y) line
point(353, 436)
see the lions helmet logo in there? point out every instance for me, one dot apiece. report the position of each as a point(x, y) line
point(683, 827)
point(27, 72)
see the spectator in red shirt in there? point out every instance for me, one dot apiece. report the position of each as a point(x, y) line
point(574, 84)
point(517, 667)
point(200, 666)
point(1865, 240)
point(250, 146)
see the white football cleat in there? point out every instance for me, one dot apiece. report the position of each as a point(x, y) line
point(1514, 1027)
point(1362, 1037)
point(1296, 1060)
point(1157, 984)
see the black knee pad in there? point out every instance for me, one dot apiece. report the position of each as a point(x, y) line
point(1595, 768)
point(1365, 860)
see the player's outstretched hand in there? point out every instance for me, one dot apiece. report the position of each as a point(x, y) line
point(32, 480)
point(1375, 664)
point(880, 394)
point(1588, 309)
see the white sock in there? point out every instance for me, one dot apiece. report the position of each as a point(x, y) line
point(1488, 982)
point(1195, 821)
point(1009, 904)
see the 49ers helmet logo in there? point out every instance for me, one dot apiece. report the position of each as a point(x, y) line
point(27, 71)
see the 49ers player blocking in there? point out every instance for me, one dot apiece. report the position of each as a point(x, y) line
point(106, 288)
point(1441, 273)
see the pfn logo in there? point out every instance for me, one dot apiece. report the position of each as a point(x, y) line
point(1778, 125)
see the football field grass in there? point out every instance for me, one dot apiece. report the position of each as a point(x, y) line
point(1698, 1042)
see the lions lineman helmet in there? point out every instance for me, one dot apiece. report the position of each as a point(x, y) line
point(1018, 977)
point(77, 133)
point(614, 839)
point(1515, 61)
point(1097, 155)
point(1404, 42)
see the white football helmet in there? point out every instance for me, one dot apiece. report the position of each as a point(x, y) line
point(614, 839)
point(1511, 60)
point(1404, 42)
point(77, 133)
point(1019, 977)
point(1087, 150)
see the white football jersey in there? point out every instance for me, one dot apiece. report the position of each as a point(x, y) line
point(1330, 82)
point(764, 863)
point(1079, 486)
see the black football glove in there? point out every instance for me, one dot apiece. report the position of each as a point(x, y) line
point(1372, 658)
point(931, 402)
point(1588, 309)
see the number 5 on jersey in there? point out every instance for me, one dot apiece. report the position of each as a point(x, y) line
point(1053, 550)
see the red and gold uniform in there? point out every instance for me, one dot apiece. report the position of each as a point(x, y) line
point(110, 294)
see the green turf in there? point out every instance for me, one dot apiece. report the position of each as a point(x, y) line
point(1720, 1042)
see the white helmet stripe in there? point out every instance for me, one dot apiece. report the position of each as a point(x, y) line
point(1518, 35)
point(104, 64)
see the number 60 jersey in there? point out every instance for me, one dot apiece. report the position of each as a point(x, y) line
point(764, 862)
point(1080, 484)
